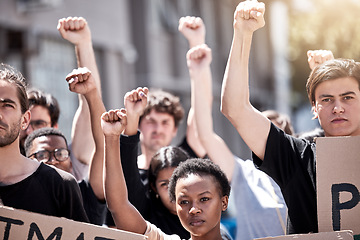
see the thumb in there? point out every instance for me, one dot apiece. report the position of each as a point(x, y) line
point(60, 28)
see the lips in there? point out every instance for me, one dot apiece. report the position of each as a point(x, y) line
point(338, 120)
point(196, 222)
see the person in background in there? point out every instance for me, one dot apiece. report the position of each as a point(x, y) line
point(158, 124)
point(47, 190)
point(333, 91)
point(49, 145)
point(45, 112)
point(280, 120)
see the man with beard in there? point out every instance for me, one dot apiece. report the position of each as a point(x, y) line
point(25, 183)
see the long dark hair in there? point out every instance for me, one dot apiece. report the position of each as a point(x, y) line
point(166, 157)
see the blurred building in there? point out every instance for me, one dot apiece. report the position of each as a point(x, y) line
point(137, 44)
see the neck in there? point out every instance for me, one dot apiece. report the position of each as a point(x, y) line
point(14, 166)
point(216, 237)
point(145, 158)
point(213, 234)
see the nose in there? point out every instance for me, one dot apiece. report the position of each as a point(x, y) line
point(338, 108)
point(194, 210)
point(52, 160)
point(157, 128)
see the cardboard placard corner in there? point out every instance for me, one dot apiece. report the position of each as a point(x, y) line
point(337, 235)
point(338, 183)
point(19, 224)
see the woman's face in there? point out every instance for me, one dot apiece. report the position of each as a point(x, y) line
point(199, 205)
point(162, 186)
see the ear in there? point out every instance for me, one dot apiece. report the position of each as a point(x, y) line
point(56, 126)
point(314, 111)
point(224, 202)
point(25, 120)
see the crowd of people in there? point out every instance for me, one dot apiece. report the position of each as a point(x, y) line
point(172, 192)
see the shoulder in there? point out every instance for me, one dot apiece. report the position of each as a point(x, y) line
point(277, 137)
point(154, 233)
point(51, 173)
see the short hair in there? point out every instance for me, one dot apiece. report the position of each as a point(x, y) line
point(164, 102)
point(330, 70)
point(40, 98)
point(11, 75)
point(40, 133)
point(166, 157)
point(281, 119)
point(201, 167)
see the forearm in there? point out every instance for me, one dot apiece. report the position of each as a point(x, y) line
point(132, 124)
point(85, 56)
point(125, 215)
point(81, 137)
point(136, 189)
point(81, 128)
point(96, 107)
point(192, 135)
point(215, 147)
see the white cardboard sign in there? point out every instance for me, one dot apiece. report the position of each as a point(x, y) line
point(338, 183)
point(22, 225)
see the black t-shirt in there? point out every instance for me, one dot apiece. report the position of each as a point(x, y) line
point(48, 191)
point(291, 163)
point(94, 208)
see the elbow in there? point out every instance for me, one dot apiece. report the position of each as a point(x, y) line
point(224, 109)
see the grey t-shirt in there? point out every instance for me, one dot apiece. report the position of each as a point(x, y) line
point(260, 207)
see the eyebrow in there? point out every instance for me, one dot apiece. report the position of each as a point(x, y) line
point(348, 93)
point(7, 100)
point(206, 192)
point(163, 180)
point(341, 95)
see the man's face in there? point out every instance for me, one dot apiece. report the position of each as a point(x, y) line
point(157, 130)
point(337, 106)
point(11, 118)
point(40, 118)
point(50, 143)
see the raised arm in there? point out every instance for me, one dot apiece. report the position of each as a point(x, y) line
point(193, 30)
point(82, 82)
point(126, 217)
point(235, 100)
point(76, 30)
point(135, 102)
point(198, 61)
